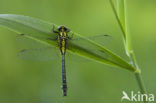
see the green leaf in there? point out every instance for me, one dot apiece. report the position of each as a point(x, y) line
point(41, 32)
point(121, 11)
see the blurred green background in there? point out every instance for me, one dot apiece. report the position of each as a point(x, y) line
point(89, 82)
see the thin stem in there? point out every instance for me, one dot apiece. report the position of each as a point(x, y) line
point(138, 76)
point(118, 20)
point(128, 47)
point(140, 83)
point(121, 14)
point(138, 73)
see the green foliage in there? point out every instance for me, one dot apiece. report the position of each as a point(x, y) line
point(24, 81)
point(121, 17)
point(41, 32)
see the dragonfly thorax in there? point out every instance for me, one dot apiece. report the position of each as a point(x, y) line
point(63, 32)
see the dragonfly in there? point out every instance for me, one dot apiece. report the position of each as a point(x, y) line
point(62, 39)
point(62, 43)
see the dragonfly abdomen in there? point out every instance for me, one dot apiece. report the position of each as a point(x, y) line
point(64, 82)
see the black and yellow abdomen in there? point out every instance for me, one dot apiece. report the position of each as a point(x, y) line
point(62, 43)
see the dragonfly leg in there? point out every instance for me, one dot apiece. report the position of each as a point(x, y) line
point(54, 29)
point(53, 39)
point(71, 36)
point(68, 30)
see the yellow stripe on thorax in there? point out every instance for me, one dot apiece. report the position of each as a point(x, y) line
point(63, 36)
point(63, 43)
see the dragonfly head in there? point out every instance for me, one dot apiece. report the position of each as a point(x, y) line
point(63, 28)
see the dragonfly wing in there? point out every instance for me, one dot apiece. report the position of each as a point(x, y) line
point(86, 45)
point(36, 49)
point(30, 42)
point(39, 54)
point(103, 40)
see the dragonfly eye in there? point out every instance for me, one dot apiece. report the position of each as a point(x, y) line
point(63, 27)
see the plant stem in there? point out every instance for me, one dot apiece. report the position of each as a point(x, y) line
point(138, 76)
point(118, 20)
point(140, 83)
point(122, 22)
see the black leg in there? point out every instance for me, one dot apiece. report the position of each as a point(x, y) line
point(68, 30)
point(52, 39)
point(71, 36)
point(54, 30)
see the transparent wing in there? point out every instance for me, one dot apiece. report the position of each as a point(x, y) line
point(40, 54)
point(36, 51)
point(86, 46)
point(41, 33)
point(100, 39)
point(28, 42)
point(104, 40)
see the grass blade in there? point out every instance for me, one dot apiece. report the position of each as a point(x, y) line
point(41, 31)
